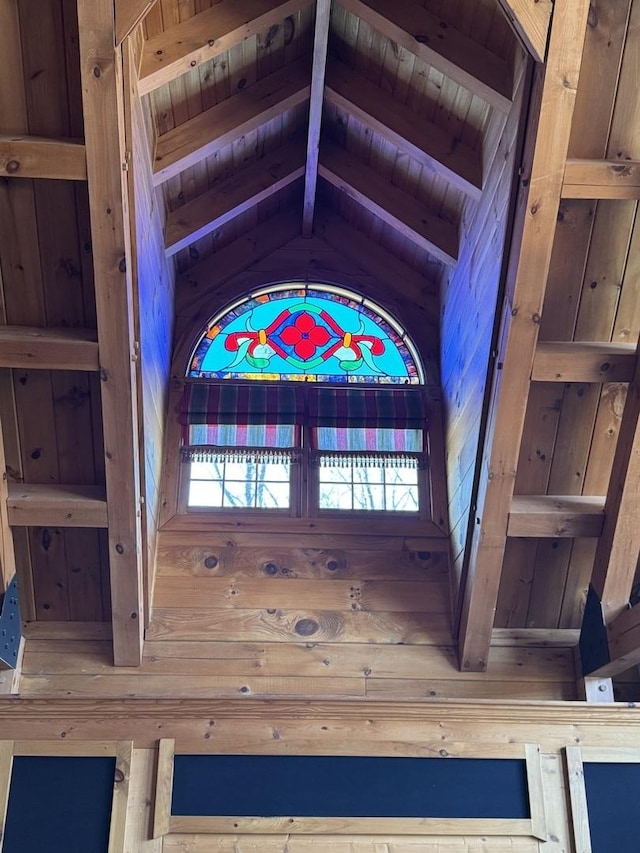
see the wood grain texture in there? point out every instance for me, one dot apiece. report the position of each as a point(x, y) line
point(36, 157)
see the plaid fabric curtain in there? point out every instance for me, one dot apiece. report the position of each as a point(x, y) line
point(204, 403)
point(375, 408)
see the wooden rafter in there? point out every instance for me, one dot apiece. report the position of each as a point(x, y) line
point(234, 194)
point(408, 24)
point(186, 45)
point(531, 20)
point(34, 157)
point(619, 546)
point(48, 349)
point(521, 317)
point(320, 43)
point(622, 644)
point(392, 120)
point(601, 179)
point(556, 516)
point(57, 506)
point(228, 121)
point(403, 212)
point(583, 361)
point(129, 13)
point(102, 103)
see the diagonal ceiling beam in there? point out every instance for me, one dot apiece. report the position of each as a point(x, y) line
point(228, 121)
point(436, 149)
point(526, 283)
point(320, 42)
point(187, 45)
point(232, 195)
point(619, 546)
point(531, 20)
point(430, 39)
point(406, 214)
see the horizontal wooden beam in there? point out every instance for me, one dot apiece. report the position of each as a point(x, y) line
point(595, 179)
point(434, 148)
point(228, 121)
point(231, 195)
point(54, 505)
point(530, 19)
point(556, 516)
point(36, 157)
point(455, 55)
point(198, 39)
point(547, 638)
point(583, 361)
point(48, 349)
point(406, 214)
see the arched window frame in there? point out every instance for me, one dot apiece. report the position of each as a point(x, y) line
point(304, 512)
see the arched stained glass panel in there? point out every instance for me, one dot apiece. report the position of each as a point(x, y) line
point(313, 333)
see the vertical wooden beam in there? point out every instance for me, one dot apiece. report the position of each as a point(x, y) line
point(619, 545)
point(102, 97)
point(321, 39)
point(526, 282)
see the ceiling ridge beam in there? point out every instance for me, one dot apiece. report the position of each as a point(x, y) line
point(526, 282)
point(406, 214)
point(437, 43)
point(320, 43)
point(231, 195)
point(531, 20)
point(583, 361)
point(434, 148)
point(56, 505)
point(596, 179)
point(189, 44)
point(556, 516)
point(40, 157)
point(49, 349)
point(229, 120)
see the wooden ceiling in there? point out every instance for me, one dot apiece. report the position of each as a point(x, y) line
point(472, 164)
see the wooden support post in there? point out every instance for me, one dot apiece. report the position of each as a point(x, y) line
point(102, 98)
point(619, 546)
point(321, 40)
point(531, 20)
point(521, 318)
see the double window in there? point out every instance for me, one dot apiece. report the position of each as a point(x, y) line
point(304, 401)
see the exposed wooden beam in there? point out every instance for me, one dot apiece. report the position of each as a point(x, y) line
point(601, 179)
point(102, 94)
point(618, 548)
point(583, 361)
point(129, 13)
point(54, 505)
point(36, 157)
point(348, 173)
point(320, 42)
point(187, 45)
point(391, 119)
point(7, 552)
point(556, 516)
point(622, 644)
point(526, 282)
point(228, 121)
point(232, 195)
point(452, 53)
point(531, 20)
point(48, 349)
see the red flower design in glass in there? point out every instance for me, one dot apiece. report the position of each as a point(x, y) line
point(305, 336)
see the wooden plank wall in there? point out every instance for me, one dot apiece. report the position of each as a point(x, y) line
point(592, 294)
point(469, 300)
point(54, 436)
point(154, 276)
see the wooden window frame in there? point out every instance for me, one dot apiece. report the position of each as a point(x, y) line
point(576, 757)
point(120, 750)
point(164, 822)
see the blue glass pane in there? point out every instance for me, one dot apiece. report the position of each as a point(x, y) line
point(305, 334)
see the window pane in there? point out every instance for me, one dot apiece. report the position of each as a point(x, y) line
point(271, 472)
point(335, 496)
point(206, 471)
point(272, 495)
point(368, 496)
point(205, 493)
point(404, 476)
point(402, 498)
point(368, 474)
point(240, 470)
point(239, 494)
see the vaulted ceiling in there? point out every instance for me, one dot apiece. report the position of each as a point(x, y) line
point(420, 151)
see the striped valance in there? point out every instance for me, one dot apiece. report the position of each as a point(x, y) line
point(384, 408)
point(204, 403)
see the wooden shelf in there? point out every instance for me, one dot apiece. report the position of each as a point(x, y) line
point(60, 506)
point(48, 349)
point(583, 361)
point(556, 516)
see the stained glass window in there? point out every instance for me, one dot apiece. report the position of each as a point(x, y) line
point(314, 333)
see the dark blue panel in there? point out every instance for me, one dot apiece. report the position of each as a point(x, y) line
point(613, 791)
point(59, 805)
point(329, 786)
